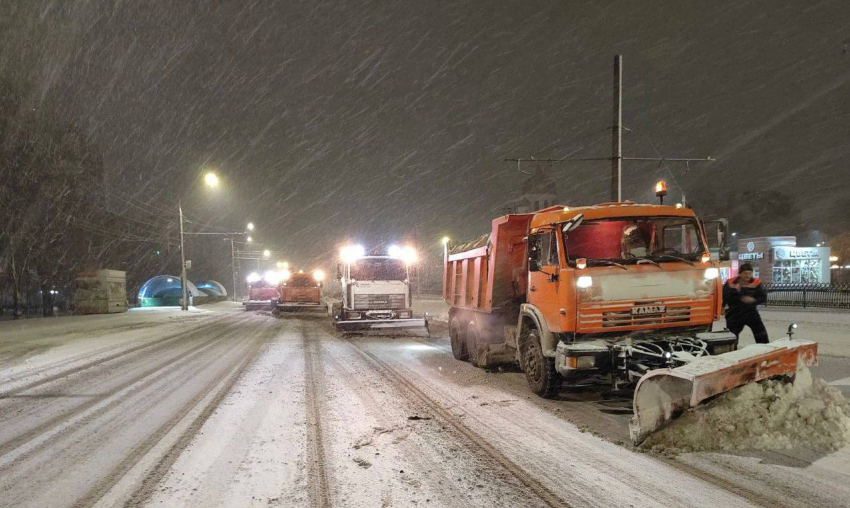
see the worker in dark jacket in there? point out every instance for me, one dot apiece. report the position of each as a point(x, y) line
point(741, 297)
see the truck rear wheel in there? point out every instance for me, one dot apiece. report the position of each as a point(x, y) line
point(458, 340)
point(472, 338)
point(540, 371)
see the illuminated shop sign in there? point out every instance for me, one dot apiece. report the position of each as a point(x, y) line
point(796, 253)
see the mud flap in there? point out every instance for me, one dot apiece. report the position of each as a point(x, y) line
point(663, 394)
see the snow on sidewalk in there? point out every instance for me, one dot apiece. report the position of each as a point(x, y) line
point(826, 327)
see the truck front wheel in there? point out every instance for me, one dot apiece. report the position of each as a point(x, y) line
point(540, 371)
point(458, 340)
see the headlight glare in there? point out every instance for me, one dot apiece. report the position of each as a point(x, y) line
point(584, 282)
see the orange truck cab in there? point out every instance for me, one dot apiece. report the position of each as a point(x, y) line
point(300, 291)
point(609, 291)
point(261, 293)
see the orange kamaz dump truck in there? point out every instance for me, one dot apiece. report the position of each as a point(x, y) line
point(617, 293)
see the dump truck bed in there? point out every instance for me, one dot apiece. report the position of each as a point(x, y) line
point(488, 273)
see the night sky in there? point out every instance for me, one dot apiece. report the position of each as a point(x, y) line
point(362, 120)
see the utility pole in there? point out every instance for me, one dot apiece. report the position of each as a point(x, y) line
point(183, 283)
point(617, 133)
point(616, 157)
point(233, 266)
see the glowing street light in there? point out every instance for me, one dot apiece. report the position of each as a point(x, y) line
point(211, 179)
point(250, 226)
point(446, 240)
point(249, 239)
point(267, 254)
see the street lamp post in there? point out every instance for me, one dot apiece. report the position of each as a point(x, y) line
point(233, 267)
point(211, 179)
point(183, 284)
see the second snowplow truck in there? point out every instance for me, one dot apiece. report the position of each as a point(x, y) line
point(618, 293)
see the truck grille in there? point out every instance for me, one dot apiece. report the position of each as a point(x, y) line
point(366, 302)
point(625, 318)
point(617, 316)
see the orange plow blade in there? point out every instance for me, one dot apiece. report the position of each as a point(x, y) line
point(663, 394)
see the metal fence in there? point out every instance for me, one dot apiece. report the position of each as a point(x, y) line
point(827, 296)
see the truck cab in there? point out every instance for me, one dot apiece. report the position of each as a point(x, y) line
point(262, 291)
point(376, 291)
point(299, 290)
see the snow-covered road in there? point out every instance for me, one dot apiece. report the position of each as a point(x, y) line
point(221, 407)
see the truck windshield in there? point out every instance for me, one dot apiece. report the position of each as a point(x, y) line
point(301, 280)
point(378, 269)
point(628, 240)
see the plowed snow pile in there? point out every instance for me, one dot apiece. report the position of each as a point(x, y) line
point(770, 415)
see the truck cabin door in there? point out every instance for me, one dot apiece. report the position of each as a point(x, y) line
point(543, 275)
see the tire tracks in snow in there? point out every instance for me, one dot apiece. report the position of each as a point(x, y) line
point(136, 384)
point(317, 476)
point(717, 481)
point(750, 495)
point(155, 344)
point(473, 440)
point(226, 383)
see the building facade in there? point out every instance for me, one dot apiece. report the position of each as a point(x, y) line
point(779, 260)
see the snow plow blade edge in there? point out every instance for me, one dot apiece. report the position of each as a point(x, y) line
point(663, 394)
point(377, 324)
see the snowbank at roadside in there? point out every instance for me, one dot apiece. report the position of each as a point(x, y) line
point(770, 415)
point(435, 307)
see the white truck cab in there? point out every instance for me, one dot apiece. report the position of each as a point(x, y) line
point(376, 291)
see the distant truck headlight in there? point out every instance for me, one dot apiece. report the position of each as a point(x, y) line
point(272, 277)
point(712, 273)
point(585, 281)
point(319, 275)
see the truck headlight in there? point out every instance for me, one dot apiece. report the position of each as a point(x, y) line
point(581, 362)
point(585, 281)
point(711, 273)
point(353, 315)
point(404, 314)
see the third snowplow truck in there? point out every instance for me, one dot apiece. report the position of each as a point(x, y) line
point(619, 293)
